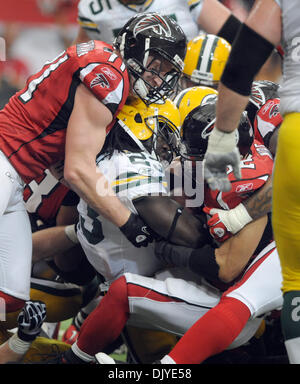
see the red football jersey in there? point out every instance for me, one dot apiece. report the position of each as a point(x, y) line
point(33, 124)
point(44, 196)
point(266, 120)
point(256, 168)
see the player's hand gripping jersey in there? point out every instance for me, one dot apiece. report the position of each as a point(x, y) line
point(131, 175)
point(256, 168)
point(33, 124)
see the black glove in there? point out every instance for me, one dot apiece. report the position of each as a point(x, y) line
point(173, 254)
point(137, 232)
point(30, 320)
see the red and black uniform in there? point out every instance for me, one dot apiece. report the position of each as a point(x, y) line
point(33, 124)
point(44, 196)
point(267, 119)
point(256, 168)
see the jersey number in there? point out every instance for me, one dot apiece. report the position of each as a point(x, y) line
point(32, 86)
point(97, 7)
point(95, 234)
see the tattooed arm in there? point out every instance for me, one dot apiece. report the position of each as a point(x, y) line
point(260, 203)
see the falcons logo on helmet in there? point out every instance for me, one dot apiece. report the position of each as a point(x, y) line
point(156, 23)
point(257, 95)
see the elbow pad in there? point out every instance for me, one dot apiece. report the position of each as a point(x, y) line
point(249, 52)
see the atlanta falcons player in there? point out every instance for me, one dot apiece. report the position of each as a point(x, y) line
point(64, 113)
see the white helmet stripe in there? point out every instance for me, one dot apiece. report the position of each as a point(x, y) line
point(147, 46)
point(207, 53)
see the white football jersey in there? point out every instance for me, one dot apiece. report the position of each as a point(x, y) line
point(103, 19)
point(131, 175)
point(289, 92)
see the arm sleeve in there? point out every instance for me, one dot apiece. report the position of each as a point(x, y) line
point(159, 213)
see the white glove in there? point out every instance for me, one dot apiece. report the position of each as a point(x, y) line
point(221, 152)
point(234, 220)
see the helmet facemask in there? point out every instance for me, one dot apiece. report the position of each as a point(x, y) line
point(153, 47)
point(153, 66)
point(165, 138)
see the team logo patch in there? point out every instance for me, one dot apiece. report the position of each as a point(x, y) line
point(274, 111)
point(156, 23)
point(244, 188)
point(100, 80)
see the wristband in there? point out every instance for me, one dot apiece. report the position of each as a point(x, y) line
point(239, 217)
point(203, 262)
point(230, 29)
point(249, 52)
point(18, 345)
point(70, 231)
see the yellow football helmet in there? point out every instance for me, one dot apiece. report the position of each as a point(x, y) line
point(205, 60)
point(190, 98)
point(156, 127)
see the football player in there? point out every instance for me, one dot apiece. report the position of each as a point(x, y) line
point(205, 61)
point(83, 88)
point(280, 22)
point(30, 321)
point(143, 139)
point(103, 20)
point(176, 304)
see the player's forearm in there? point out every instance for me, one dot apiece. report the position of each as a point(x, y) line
point(7, 355)
point(230, 106)
point(234, 254)
point(49, 242)
point(213, 16)
point(260, 204)
point(91, 185)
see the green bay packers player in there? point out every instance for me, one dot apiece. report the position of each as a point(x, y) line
point(268, 23)
point(137, 177)
point(205, 61)
point(130, 163)
point(190, 98)
point(102, 20)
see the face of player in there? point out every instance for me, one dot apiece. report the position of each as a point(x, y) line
point(157, 69)
point(163, 150)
